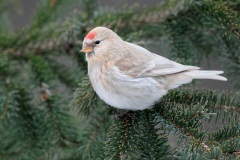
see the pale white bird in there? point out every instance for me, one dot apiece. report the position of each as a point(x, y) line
point(128, 76)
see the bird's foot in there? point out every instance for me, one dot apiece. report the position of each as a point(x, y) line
point(123, 113)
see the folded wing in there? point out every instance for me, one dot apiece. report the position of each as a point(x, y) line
point(142, 63)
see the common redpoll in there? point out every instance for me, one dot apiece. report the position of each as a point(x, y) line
point(128, 76)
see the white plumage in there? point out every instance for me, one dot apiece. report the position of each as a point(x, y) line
point(127, 76)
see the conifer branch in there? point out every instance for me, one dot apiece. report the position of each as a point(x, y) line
point(6, 106)
point(124, 138)
point(32, 77)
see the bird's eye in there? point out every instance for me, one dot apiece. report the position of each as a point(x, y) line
point(97, 42)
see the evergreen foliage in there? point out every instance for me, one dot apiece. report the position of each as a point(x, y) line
point(48, 109)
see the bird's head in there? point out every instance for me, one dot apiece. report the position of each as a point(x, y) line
point(99, 40)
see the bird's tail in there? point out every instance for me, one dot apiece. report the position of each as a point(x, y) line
point(176, 80)
point(201, 74)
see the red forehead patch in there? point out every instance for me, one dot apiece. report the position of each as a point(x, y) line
point(90, 35)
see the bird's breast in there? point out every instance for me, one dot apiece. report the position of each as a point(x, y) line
point(100, 75)
point(102, 82)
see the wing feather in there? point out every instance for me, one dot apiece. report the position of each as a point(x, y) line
point(149, 64)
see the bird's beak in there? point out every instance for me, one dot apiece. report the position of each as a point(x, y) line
point(86, 49)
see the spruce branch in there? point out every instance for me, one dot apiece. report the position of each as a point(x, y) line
point(94, 134)
point(85, 100)
point(212, 99)
point(231, 59)
point(6, 106)
point(121, 139)
point(130, 137)
point(42, 69)
point(181, 128)
point(224, 133)
point(152, 139)
point(226, 19)
point(69, 71)
point(47, 11)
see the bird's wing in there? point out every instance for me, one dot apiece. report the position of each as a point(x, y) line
point(142, 63)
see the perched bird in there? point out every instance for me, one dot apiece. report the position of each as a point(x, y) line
point(128, 76)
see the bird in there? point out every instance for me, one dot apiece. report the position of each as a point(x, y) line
point(127, 76)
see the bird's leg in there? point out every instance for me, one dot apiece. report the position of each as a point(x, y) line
point(117, 114)
point(123, 113)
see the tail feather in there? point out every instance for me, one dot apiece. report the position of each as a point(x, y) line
point(202, 74)
point(176, 80)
